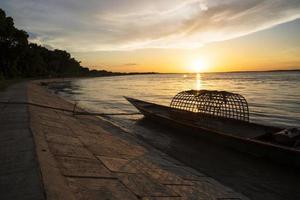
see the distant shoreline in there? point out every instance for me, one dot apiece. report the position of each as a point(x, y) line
point(264, 71)
point(162, 73)
point(112, 74)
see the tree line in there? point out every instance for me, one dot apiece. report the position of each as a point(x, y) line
point(21, 59)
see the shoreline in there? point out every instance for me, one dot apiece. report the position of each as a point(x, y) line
point(63, 143)
point(244, 173)
point(84, 157)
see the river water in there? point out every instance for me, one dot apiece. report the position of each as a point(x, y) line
point(273, 97)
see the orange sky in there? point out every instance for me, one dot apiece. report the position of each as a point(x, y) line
point(166, 36)
point(272, 49)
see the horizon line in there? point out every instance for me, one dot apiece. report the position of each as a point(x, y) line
point(246, 71)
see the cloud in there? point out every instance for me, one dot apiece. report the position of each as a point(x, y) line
point(97, 25)
point(129, 64)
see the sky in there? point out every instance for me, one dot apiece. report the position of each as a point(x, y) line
point(166, 35)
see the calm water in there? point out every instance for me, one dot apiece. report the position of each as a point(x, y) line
point(273, 97)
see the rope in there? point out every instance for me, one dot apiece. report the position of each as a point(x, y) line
point(63, 109)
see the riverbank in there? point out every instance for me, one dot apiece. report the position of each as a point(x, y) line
point(255, 177)
point(83, 157)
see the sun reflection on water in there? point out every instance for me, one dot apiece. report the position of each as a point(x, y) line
point(198, 81)
point(267, 106)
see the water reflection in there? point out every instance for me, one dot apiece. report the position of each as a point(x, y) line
point(198, 81)
point(273, 97)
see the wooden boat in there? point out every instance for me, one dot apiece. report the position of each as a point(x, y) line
point(223, 117)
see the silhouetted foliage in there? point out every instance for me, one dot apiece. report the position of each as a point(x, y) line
point(19, 58)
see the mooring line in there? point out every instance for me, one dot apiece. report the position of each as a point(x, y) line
point(63, 109)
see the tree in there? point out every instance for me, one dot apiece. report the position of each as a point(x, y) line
point(18, 58)
point(13, 45)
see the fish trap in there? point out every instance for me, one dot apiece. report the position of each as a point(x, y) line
point(215, 103)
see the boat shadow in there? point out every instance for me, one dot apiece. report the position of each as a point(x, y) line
point(253, 176)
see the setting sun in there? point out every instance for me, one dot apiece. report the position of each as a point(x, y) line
point(160, 92)
point(199, 65)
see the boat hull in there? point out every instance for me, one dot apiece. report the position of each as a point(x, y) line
point(275, 152)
